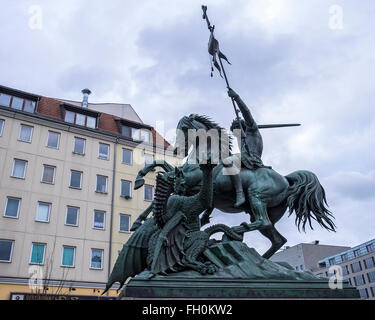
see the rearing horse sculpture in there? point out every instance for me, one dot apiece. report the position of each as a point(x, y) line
point(267, 190)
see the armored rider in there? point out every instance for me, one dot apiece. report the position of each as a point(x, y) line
point(250, 145)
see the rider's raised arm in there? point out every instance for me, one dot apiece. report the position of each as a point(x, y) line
point(243, 107)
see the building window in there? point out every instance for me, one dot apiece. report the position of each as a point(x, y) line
point(331, 261)
point(357, 252)
point(96, 259)
point(124, 223)
point(26, 133)
point(99, 219)
point(369, 247)
point(369, 263)
point(1, 126)
point(68, 256)
point(371, 276)
point(345, 270)
point(6, 250)
point(373, 291)
point(72, 216)
point(149, 192)
point(149, 159)
point(53, 139)
point(17, 103)
point(69, 116)
point(126, 131)
point(48, 174)
point(80, 119)
point(356, 267)
point(79, 146)
point(5, 99)
point(91, 122)
point(101, 184)
point(141, 134)
point(19, 169)
point(127, 156)
point(126, 188)
point(12, 207)
point(75, 179)
point(103, 151)
point(363, 293)
point(344, 257)
point(359, 280)
point(37, 253)
point(43, 212)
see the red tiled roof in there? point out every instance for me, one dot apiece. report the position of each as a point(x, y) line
point(51, 108)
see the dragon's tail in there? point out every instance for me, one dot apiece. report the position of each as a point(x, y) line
point(223, 228)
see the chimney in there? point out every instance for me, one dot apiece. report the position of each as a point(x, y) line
point(85, 101)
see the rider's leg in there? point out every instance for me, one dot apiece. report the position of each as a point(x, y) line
point(240, 195)
point(232, 167)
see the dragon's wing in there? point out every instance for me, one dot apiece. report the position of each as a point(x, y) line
point(132, 258)
point(168, 247)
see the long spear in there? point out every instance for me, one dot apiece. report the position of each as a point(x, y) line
point(213, 49)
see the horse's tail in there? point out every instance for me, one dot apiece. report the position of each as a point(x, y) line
point(307, 198)
point(132, 258)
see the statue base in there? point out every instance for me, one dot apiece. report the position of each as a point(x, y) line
point(243, 274)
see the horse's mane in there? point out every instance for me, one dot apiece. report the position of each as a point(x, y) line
point(225, 138)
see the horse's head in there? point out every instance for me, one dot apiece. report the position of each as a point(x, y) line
point(195, 122)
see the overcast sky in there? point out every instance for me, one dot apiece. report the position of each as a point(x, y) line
point(310, 62)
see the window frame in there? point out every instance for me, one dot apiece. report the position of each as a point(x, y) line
point(371, 258)
point(31, 134)
point(368, 277)
point(62, 257)
point(93, 220)
point(18, 208)
point(152, 193)
point(363, 279)
point(11, 251)
point(80, 180)
point(131, 156)
point(150, 155)
point(84, 146)
point(25, 168)
point(77, 216)
point(355, 263)
point(75, 113)
point(10, 99)
point(58, 139)
point(49, 211)
point(31, 253)
point(108, 146)
point(54, 174)
point(130, 189)
point(102, 259)
point(2, 127)
point(106, 184)
point(124, 215)
point(357, 253)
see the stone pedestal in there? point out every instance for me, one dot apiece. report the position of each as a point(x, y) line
point(243, 274)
